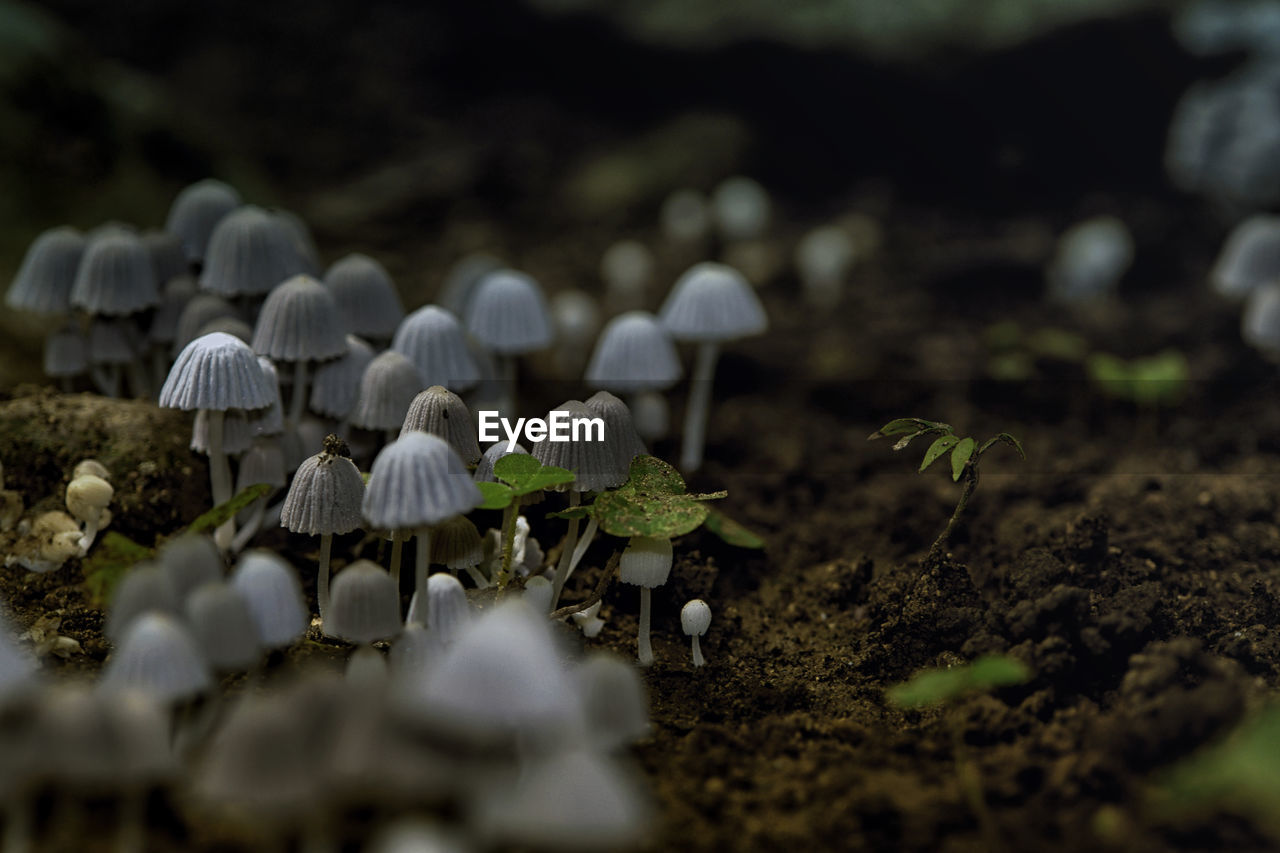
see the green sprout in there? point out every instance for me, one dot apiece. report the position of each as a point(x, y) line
point(1149, 382)
point(520, 474)
point(966, 455)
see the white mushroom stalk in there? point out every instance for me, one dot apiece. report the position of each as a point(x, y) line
point(695, 619)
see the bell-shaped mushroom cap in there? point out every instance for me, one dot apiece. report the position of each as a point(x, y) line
point(634, 353)
point(144, 589)
point(627, 270)
point(712, 302)
point(87, 496)
point(387, 388)
point(619, 428)
point(223, 627)
point(176, 294)
point(168, 259)
point(576, 800)
point(336, 386)
point(538, 592)
point(115, 276)
point(365, 604)
point(250, 253)
point(741, 208)
point(271, 587)
point(237, 434)
point(695, 617)
point(1260, 323)
point(1091, 258)
point(112, 341)
point(1249, 258)
point(299, 321)
point(432, 338)
point(462, 278)
point(48, 272)
point(157, 655)
point(189, 562)
point(418, 480)
point(508, 314)
point(685, 216)
point(576, 316)
point(446, 611)
point(502, 677)
point(441, 412)
point(456, 544)
point(325, 495)
point(263, 462)
point(646, 561)
point(216, 372)
point(199, 311)
point(366, 296)
point(197, 211)
point(66, 353)
point(595, 465)
point(615, 706)
point(497, 450)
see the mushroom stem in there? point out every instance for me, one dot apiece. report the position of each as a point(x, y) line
point(252, 525)
point(584, 542)
point(89, 533)
point(698, 659)
point(422, 564)
point(695, 419)
point(220, 478)
point(397, 545)
point(645, 650)
point(566, 555)
point(322, 576)
point(298, 401)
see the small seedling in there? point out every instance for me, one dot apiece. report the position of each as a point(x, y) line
point(519, 475)
point(966, 455)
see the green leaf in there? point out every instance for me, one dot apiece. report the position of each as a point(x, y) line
point(903, 426)
point(940, 446)
point(625, 513)
point(112, 556)
point(935, 686)
point(572, 512)
point(651, 476)
point(496, 495)
point(222, 513)
point(547, 477)
point(1005, 438)
point(709, 496)
point(960, 457)
point(515, 467)
point(731, 531)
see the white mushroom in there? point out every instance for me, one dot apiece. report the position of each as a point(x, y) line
point(695, 619)
point(87, 499)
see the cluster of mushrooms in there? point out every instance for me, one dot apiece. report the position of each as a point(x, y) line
point(467, 720)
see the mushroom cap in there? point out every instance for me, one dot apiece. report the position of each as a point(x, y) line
point(695, 617)
point(159, 656)
point(324, 497)
point(634, 353)
point(302, 239)
point(189, 562)
point(456, 544)
point(741, 208)
point(66, 353)
point(223, 627)
point(144, 589)
point(446, 612)
point(365, 295)
point(615, 704)
point(174, 296)
point(1249, 258)
point(712, 302)
point(271, 587)
point(195, 213)
point(825, 254)
point(336, 384)
point(627, 269)
point(87, 466)
point(594, 463)
point(685, 216)
point(299, 321)
point(508, 314)
point(48, 272)
point(1260, 323)
point(196, 314)
point(112, 341)
point(216, 372)
point(364, 606)
point(418, 480)
point(619, 428)
point(115, 276)
point(441, 412)
point(538, 592)
point(387, 388)
point(1091, 258)
point(168, 259)
point(646, 561)
point(576, 315)
point(461, 280)
point(432, 338)
point(263, 462)
point(251, 251)
point(88, 496)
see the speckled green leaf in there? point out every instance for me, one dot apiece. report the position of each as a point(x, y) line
point(940, 446)
point(651, 476)
point(624, 513)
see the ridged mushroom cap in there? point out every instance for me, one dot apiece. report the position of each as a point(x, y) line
point(387, 388)
point(418, 480)
point(456, 544)
point(325, 495)
point(364, 606)
point(441, 412)
point(1249, 258)
point(596, 465)
point(366, 296)
point(446, 611)
point(66, 353)
point(250, 252)
point(508, 314)
point(712, 302)
point(270, 420)
point(646, 561)
point(196, 314)
point(222, 625)
point(217, 372)
point(48, 272)
point(336, 385)
point(157, 655)
point(115, 276)
point(195, 213)
point(634, 353)
point(271, 587)
point(432, 338)
point(619, 429)
point(299, 321)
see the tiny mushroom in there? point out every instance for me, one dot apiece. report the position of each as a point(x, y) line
point(695, 619)
point(271, 587)
point(387, 389)
point(366, 296)
point(441, 412)
point(1249, 258)
point(87, 500)
point(646, 563)
point(433, 339)
point(365, 609)
point(196, 212)
point(627, 271)
point(158, 655)
point(250, 252)
point(635, 355)
point(336, 386)
point(507, 314)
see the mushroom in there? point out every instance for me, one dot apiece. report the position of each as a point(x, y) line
point(456, 544)
point(66, 356)
point(823, 259)
point(1260, 322)
point(365, 609)
point(222, 624)
point(54, 538)
point(366, 297)
point(199, 312)
point(111, 351)
point(387, 389)
point(336, 386)
point(251, 251)
point(144, 589)
point(441, 412)
point(115, 279)
point(271, 588)
point(461, 280)
point(1249, 258)
point(445, 614)
point(158, 655)
point(685, 217)
point(196, 212)
point(635, 356)
point(646, 563)
point(741, 209)
point(576, 317)
point(215, 373)
point(710, 304)
point(324, 499)
point(87, 500)
point(433, 339)
point(189, 562)
point(507, 314)
point(1091, 258)
point(695, 619)
point(626, 268)
point(538, 591)
point(48, 272)
point(614, 702)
